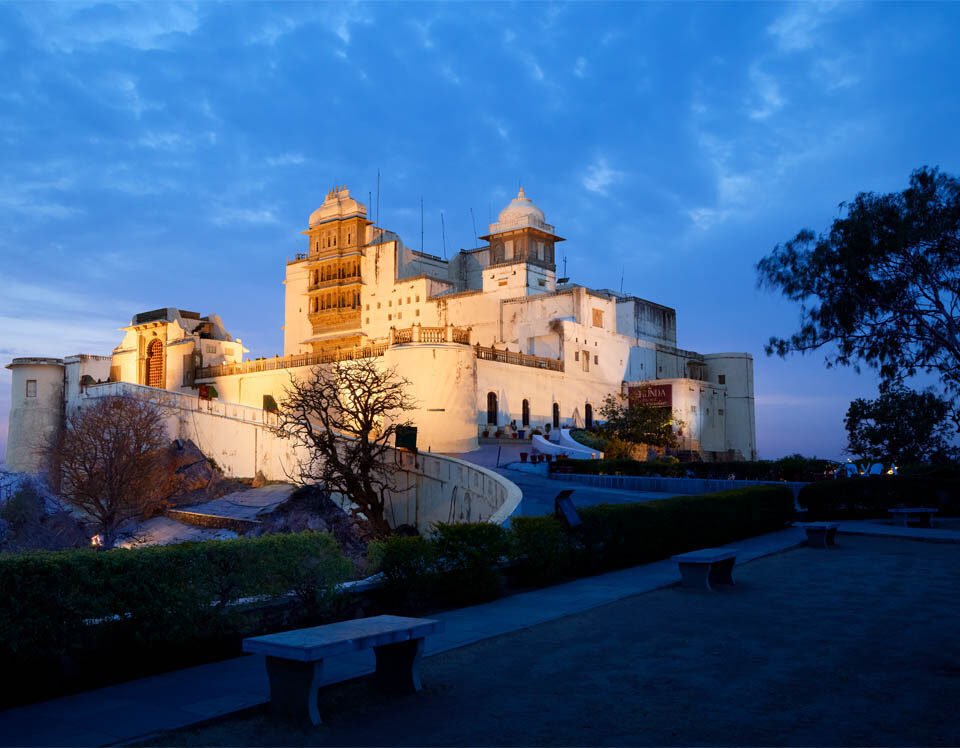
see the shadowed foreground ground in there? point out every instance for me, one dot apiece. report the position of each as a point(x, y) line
point(856, 645)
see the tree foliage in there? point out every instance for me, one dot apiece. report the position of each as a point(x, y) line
point(636, 423)
point(345, 416)
point(109, 458)
point(901, 426)
point(883, 285)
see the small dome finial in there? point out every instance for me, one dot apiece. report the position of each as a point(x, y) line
point(521, 193)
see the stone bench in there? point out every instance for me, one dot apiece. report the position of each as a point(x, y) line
point(820, 534)
point(922, 514)
point(706, 567)
point(295, 658)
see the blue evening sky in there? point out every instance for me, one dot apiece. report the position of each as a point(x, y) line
point(168, 154)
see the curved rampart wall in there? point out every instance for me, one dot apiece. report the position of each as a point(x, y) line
point(432, 487)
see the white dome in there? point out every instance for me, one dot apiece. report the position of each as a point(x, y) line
point(521, 211)
point(338, 204)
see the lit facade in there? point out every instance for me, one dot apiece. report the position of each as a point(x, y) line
point(487, 339)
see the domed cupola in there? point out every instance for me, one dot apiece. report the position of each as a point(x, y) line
point(520, 212)
point(521, 234)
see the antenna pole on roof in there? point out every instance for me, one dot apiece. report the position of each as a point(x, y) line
point(565, 265)
point(421, 223)
point(376, 218)
point(473, 220)
point(443, 234)
point(622, 270)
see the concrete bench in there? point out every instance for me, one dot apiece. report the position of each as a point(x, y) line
point(820, 534)
point(922, 514)
point(706, 567)
point(295, 658)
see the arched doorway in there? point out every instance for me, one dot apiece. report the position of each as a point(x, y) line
point(492, 408)
point(588, 416)
point(556, 415)
point(154, 373)
point(525, 413)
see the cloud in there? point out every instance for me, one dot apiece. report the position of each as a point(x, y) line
point(600, 175)
point(286, 159)
point(255, 216)
point(766, 96)
point(580, 67)
point(799, 29)
point(33, 198)
point(448, 73)
point(72, 27)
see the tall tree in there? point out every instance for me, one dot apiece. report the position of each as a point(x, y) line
point(110, 461)
point(345, 416)
point(883, 285)
point(901, 426)
point(637, 423)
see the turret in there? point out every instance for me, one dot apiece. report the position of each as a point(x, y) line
point(36, 411)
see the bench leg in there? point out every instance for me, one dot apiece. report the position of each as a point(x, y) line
point(294, 688)
point(398, 666)
point(696, 576)
point(817, 538)
point(721, 572)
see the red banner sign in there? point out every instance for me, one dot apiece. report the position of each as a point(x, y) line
point(652, 395)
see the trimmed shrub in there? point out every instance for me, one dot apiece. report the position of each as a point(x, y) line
point(82, 617)
point(541, 550)
point(470, 556)
point(872, 496)
point(409, 568)
point(627, 534)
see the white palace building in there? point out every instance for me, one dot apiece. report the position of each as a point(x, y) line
point(487, 339)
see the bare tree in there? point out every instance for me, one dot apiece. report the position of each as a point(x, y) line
point(110, 461)
point(345, 415)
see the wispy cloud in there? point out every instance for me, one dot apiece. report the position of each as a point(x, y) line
point(257, 216)
point(37, 198)
point(580, 67)
point(71, 27)
point(600, 175)
point(450, 75)
point(766, 98)
point(286, 159)
point(798, 29)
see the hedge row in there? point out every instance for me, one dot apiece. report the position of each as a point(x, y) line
point(463, 563)
point(66, 613)
point(792, 469)
point(868, 497)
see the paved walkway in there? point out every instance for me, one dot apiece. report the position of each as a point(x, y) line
point(128, 711)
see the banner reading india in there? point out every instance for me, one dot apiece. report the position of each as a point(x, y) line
point(651, 395)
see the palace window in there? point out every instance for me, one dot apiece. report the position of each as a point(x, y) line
point(556, 415)
point(492, 408)
point(417, 313)
point(598, 318)
point(721, 378)
point(525, 415)
point(31, 388)
point(588, 416)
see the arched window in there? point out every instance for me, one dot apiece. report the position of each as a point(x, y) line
point(492, 408)
point(588, 416)
point(556, 415)
point(155, 364)
point(525, 415)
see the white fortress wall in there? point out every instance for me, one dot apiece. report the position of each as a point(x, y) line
point(431, 487)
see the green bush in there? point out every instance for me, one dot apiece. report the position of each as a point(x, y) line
point(872, 496)
point(627, 534)
point(470, 555)
point(409, 568)
point(61, 612)
point(541, 550)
